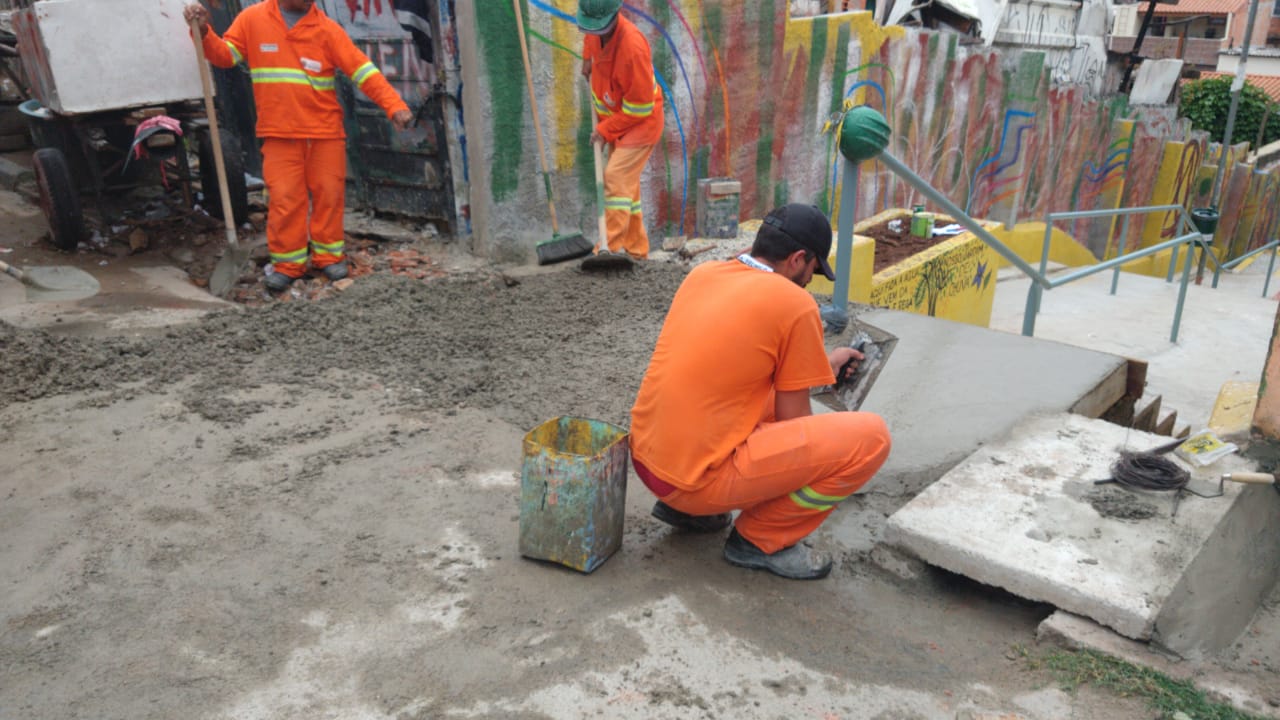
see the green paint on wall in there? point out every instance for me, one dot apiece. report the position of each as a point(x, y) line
point(781, 193)
point(583, 156)
point(764, 21)
point(764, 160)
point(698, 166)
point(504, 69)
point(1025, 86)
point(712, 24)
point(663, 61)
point(817, 51)
point(841, 65)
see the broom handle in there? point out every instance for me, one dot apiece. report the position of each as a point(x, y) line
point(537, 124)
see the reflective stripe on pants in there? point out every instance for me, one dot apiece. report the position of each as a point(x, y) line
point(304, 177)
point(623, 220)
point(788, 476)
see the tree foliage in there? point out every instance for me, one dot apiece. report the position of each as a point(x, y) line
point(1207, 103)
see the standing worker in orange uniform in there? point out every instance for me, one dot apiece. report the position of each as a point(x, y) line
point(722, 420)
point(292, 50)
point(628, 102)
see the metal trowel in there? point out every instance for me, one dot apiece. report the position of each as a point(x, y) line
point(851, 389)
point(1208, 490)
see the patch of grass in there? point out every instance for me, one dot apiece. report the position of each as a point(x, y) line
point(1162, 693)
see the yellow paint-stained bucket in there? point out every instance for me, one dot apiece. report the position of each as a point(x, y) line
point(573, 490)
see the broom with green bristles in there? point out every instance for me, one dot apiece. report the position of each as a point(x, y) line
point(560, 247)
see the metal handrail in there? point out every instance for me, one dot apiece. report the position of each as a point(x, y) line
point(1191, 237)
point(1273, 246)
point(1040, 282)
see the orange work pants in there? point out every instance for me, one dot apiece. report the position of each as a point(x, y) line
point(622, 217)
point(306, 187)
point(788, 476)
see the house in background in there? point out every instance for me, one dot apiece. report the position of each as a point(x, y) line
point(1194, 31)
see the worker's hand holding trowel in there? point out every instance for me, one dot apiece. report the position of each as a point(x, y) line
point(844, 363)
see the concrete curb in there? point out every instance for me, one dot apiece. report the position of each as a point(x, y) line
point(12, 174)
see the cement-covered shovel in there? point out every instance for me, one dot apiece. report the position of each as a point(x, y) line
point(53, 283)
point(228, 269)
point(602, 259)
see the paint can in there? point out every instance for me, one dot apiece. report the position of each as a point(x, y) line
point(921, 222)
point(573, 490)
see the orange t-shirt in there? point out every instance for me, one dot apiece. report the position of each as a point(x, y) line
point(733, 336)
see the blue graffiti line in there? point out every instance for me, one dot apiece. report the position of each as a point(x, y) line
point(869, 83)
point(693, 104)
point(1004, 136)
point(1094, 173)
point(1017, 150)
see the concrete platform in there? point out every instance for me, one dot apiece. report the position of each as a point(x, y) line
point(1024, 514)
point(1224, 335)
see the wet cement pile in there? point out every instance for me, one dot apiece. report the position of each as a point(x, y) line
point(528, 349)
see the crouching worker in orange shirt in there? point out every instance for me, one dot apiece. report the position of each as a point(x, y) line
point(292, 50)
point(723, 421)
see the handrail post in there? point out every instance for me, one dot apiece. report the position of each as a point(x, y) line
point(837, 316)
point(1029, 313)
point(1182, 291)
point(1173, 262)
point(1124, 244)
point(1266, 286)
point(1044, 254)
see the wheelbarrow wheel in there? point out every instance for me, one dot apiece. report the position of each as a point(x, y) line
point(59, 198)
point(234, 161)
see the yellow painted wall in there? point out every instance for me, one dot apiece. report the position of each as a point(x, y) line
point(1027, 240)
point(956, 277)
point(863, 260)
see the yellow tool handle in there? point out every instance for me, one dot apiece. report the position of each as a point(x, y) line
point(228, 219)
point(1253, 478)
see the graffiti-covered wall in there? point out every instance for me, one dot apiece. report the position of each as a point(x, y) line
point(1004, 132)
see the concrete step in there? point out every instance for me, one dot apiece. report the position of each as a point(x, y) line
point(1024, 513)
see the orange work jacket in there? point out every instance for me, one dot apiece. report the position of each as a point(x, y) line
point(292, 70)
point(626, 94)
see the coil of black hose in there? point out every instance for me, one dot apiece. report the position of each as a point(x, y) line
point(1146, 471)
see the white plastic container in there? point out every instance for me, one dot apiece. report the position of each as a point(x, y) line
point(85, 56)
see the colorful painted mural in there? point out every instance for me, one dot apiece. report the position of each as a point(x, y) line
point(750, 85)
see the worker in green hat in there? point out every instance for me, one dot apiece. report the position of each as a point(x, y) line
point(616, 59)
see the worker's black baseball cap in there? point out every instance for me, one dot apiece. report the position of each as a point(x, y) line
point(804, 225)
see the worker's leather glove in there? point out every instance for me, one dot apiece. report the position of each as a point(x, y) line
point(401, 119)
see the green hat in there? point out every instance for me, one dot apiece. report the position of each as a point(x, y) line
point(596, 17)
point(863, 134)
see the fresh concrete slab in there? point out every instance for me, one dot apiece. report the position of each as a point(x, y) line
point(1024, 513)
point(948, 387)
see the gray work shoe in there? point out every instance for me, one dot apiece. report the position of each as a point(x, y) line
point(798, 562)
point(278, 282)
point(336, 271)
point(692, 523)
